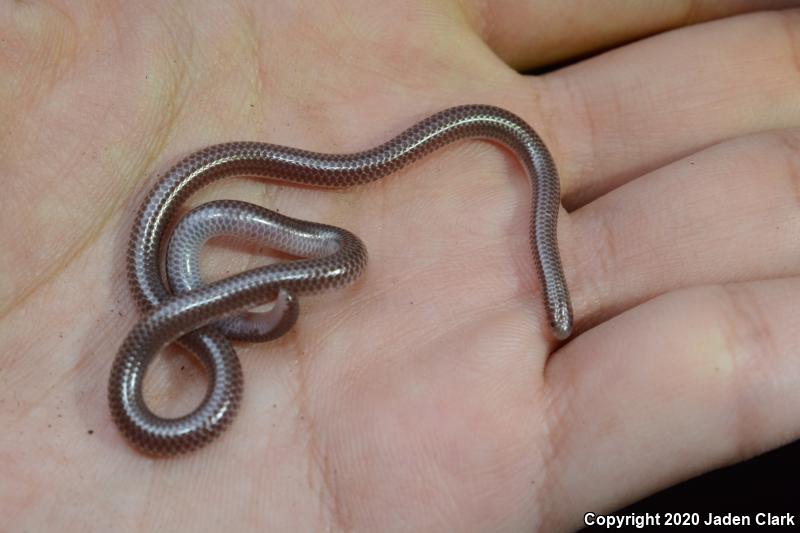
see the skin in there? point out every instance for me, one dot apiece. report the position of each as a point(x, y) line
point(427, 396)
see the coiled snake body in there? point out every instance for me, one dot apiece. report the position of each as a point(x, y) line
point(203, 317)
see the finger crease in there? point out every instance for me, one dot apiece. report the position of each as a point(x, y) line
point(753, 350)
point(789, 19)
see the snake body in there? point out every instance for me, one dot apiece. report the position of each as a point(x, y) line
point(179, 307)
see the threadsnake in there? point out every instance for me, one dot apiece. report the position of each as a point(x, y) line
point(178, 306)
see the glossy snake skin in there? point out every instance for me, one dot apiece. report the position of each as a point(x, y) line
point(203, 317)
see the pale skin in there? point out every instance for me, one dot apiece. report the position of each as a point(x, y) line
point(428, 396)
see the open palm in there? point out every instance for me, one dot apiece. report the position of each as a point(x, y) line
point(428, 396)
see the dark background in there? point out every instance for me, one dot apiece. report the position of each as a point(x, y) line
point(767, 483)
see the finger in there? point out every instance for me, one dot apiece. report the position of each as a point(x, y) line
point(534, 33)
point(728, 213)
point(690, 381)
point(629, 111)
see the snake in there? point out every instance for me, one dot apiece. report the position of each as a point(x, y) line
point(177, 306)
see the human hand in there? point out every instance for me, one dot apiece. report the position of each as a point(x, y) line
point(428, 395)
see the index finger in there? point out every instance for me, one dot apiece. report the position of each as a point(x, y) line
point(535, 33)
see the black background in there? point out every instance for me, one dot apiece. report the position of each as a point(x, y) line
point(767, 483)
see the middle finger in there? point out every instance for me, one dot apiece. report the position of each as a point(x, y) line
point(726, 214)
